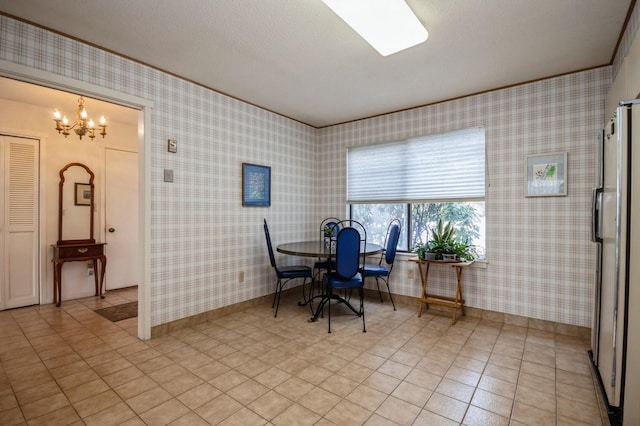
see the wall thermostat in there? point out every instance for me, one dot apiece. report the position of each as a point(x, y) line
point(172, 145)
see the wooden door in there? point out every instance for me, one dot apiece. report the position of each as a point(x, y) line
point(19, 231)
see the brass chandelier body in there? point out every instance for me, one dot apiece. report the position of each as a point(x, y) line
point(84, 126)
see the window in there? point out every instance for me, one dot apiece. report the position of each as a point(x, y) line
point(418, 181)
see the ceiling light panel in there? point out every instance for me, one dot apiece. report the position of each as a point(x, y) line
point(388, 25)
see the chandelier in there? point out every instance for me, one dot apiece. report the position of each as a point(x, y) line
point(83, 127)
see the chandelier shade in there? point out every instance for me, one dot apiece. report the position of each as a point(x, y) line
point(84, 126)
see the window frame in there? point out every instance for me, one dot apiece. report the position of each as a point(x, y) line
point(452, 157)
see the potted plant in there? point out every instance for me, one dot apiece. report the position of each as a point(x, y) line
point(446, 245)
point(422, 250)
point(329, 233)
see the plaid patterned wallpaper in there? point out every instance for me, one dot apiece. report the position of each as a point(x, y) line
point(627, 39)
point(201, 236)
point(540, 255)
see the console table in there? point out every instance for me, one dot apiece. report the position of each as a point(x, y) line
point(75, 253)
point(456, 302)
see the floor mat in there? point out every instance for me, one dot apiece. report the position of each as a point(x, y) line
point(119, 312)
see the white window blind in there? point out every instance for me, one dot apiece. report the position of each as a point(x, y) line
point(450, 166)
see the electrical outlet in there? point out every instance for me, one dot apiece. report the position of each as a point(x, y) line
point(241, 276)
point(410, 274)
point(168, 175)
point(89, 272)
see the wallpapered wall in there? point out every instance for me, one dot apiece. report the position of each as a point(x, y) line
point(201, 236)
point(539, 251)
point(540, 257)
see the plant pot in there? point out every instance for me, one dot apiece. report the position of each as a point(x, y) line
point(429, 255)
point(449, 257)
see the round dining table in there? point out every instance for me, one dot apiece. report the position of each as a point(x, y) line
point(317, 248)
point(320, 250)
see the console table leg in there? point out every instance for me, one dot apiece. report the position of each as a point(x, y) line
point(95, 274)
point(103, 261)
point(57, 283)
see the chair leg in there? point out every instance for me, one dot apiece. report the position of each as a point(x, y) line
point(379, 293)
point(364, 327)
point(329, 303)
point(277, 295)
point(389, 291)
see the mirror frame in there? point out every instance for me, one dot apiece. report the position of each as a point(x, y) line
point(90, 240)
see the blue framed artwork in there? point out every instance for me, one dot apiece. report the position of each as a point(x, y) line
point(256, 185)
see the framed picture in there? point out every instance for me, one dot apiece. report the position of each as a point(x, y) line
point(83, 194)
point(546, 175)
point(256, 185)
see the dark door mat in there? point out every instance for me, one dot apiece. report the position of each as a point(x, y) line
point(119, 312)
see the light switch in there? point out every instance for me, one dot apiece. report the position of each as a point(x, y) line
point(168, 175)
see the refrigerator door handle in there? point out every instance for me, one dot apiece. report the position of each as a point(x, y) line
point(596, 204)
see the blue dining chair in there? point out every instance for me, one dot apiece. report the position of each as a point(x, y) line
point(284, 273)
point(328, 231)
point(381, 271)
point(350, 240)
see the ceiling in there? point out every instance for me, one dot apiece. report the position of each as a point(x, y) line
point(298, 59)
point(66, 103)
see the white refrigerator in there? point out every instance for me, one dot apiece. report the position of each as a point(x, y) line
point(615, 341)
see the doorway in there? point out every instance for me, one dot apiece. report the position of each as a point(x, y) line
point(42, 79)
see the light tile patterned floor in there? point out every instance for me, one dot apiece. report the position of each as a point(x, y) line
point(70, 366)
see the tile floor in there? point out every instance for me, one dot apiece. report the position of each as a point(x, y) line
point(70, 366)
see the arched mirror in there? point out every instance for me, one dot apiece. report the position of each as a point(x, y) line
point(75, 210)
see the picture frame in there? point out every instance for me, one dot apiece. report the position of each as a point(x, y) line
point(546, 175)
point(82, 194)
point(256, 185)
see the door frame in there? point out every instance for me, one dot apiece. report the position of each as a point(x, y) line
point(144, 107)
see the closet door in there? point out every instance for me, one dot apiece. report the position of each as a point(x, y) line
point(19, 281)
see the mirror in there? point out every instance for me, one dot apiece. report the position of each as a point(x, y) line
point(75, 208)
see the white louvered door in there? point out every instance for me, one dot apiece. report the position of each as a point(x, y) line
point(19, 281)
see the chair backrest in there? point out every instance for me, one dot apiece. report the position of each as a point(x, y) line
point(331, 223)
point(350, 243)
point(347, 252)
point(391, 246)
point(272, 258)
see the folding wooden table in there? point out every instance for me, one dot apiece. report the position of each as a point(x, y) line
point(456, 302)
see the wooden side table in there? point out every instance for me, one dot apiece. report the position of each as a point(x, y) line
point(456, 302)
point(76, 253)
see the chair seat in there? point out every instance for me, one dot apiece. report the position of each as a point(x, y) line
point(293, 271)
point(375, 270)
point(335, 282)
